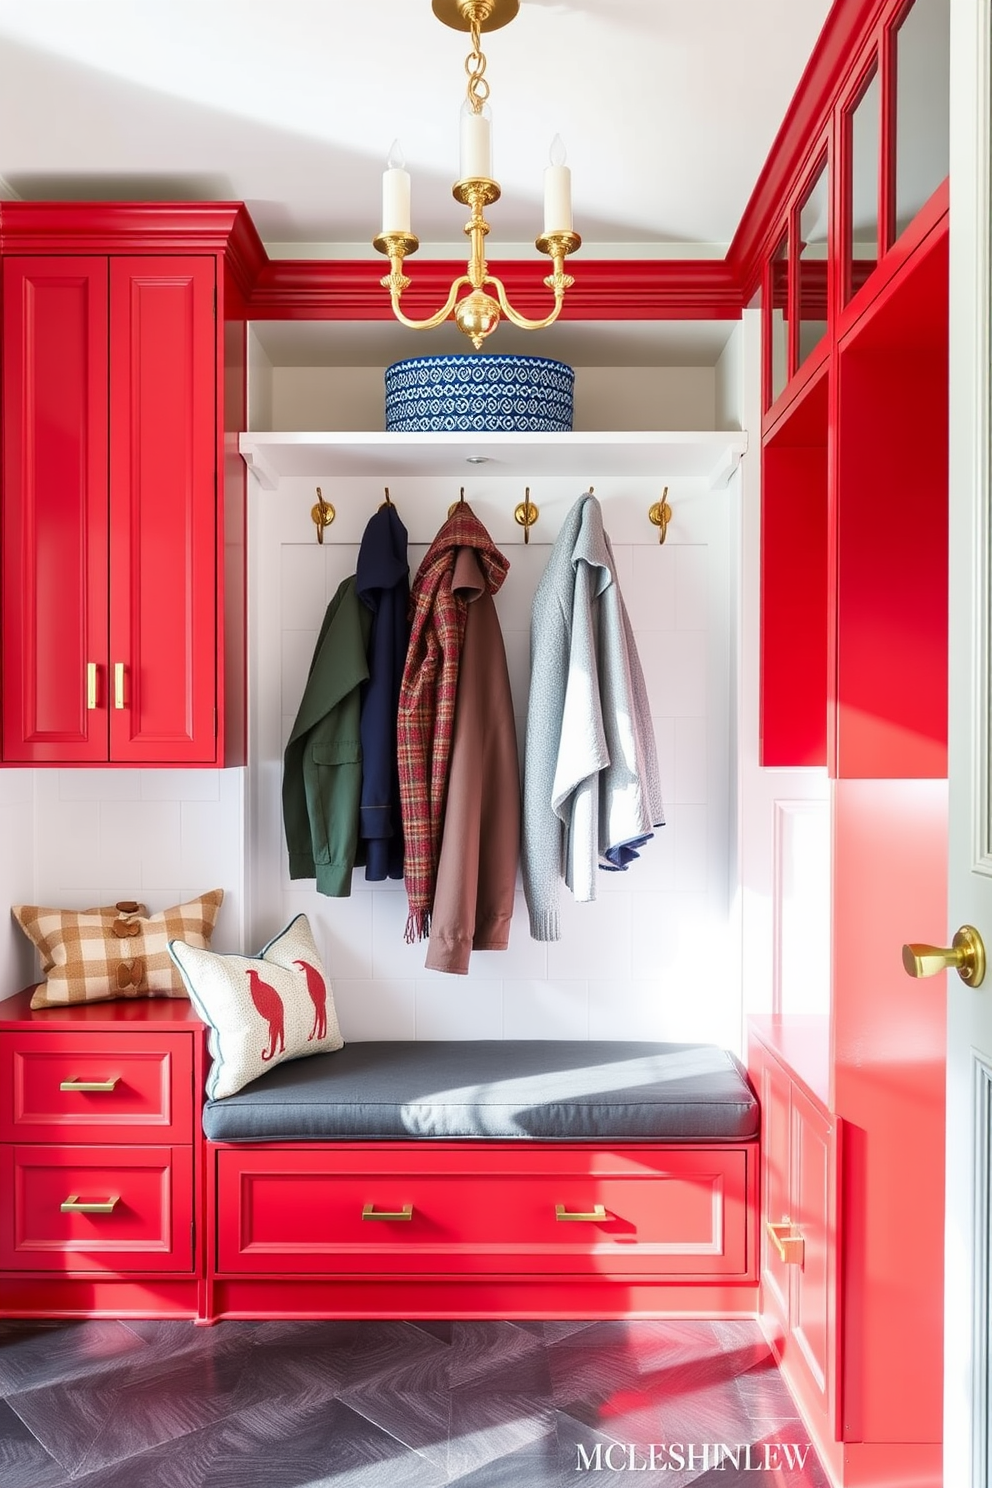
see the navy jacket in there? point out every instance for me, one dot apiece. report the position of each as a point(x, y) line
point(383, 584)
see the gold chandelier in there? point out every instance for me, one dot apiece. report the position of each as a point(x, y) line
point(477, 313)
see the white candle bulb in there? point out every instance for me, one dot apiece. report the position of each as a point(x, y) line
point(395, 192)
point(557, 190)
point(475, 144)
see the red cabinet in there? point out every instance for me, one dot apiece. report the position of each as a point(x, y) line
point(799, 1247)
point(483, 1209)
point(110, 510)
point(100, 1165)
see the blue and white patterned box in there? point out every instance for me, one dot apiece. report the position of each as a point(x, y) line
point(517, 394)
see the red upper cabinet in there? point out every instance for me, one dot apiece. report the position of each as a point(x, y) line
point(111, 644)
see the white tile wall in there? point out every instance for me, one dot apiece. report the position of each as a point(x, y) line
point(652, 956)
point(17, 855)
point(77, 837)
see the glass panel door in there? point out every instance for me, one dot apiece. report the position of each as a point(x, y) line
point(812, 258)
point(861, 124)
point(922, 110)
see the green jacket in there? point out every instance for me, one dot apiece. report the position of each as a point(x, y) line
point(322, 771)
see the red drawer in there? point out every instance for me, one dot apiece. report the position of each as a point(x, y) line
point(94, 1086)
point(96, 1209)
point(483, 1208)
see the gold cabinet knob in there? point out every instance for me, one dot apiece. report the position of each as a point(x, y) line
point(965, 955)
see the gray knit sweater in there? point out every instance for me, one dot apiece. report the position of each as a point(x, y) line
point(591, 787)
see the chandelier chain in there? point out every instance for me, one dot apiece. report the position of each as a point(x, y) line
point(475, 66)
point(477, 313)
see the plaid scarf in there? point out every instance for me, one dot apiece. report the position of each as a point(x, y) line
point(425, 722)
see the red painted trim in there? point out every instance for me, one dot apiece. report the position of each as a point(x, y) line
point(47, 1295)
point(933, 217)
point(245, 257)
point(491, 1297)
point(121, 227)
point(604, 289)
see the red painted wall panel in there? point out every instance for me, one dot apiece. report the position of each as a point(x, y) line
point(890, 712)
point(794, 581)
point(890, 886)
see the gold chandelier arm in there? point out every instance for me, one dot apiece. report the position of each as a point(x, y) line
point(432, 320)
point(558, 282)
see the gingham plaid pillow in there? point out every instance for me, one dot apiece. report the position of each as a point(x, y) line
point(97, 955)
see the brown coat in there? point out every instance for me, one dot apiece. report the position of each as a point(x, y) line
point(480, 843)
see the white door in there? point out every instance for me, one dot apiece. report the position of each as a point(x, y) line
point(968, 1444)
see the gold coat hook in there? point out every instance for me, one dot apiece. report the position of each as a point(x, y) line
point(323, 515)
point(388, 500)
point(456, 504)
point(661, 514)
point(525, 514)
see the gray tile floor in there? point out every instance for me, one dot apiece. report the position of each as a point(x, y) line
point(393, 1405)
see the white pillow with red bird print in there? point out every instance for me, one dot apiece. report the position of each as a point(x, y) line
point(261, 1009)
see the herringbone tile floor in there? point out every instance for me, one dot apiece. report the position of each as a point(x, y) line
point(394, 1405)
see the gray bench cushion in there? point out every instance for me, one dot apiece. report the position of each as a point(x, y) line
point(517, 1088)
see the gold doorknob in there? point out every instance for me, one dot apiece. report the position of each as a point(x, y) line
point(965, 955)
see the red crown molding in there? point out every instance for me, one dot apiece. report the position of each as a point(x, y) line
point(246, 257)
point(847, 27)
point(604, 289)
point(118, 227)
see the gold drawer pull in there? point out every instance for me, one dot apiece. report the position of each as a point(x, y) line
point(75, 1205)
point(790, 1246)
point(119, 684)
point(371, 1212)
point(597, 1216)
point(91, 685)
point(90, 1084)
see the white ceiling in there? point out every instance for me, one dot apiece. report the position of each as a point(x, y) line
point(667, 107)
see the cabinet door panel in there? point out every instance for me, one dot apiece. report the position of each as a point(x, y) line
point(773, 1086)
point(163, 504)
point(54, 533)
point(812, 1308)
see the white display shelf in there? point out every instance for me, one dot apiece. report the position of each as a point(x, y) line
point(711, 457)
